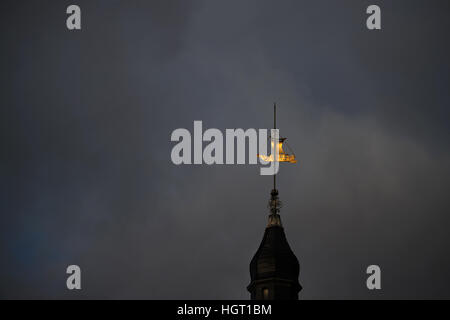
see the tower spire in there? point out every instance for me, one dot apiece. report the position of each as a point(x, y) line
point(274, 126)
point(274, 268)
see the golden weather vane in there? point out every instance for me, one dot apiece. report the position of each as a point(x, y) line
point(283, 156)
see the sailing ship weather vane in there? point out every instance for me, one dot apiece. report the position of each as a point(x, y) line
point(280, 156)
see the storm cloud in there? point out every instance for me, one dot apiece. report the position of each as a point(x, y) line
point(86, 119)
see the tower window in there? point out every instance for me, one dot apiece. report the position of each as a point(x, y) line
point(265, 293)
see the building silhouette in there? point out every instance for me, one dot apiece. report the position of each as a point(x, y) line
point(274, 269)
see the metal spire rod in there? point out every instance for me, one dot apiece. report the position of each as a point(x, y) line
point(275, 143)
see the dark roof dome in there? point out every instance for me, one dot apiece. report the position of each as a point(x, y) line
point(274, 269)
point(274, 258)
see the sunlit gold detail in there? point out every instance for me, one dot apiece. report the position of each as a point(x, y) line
point(282, 155)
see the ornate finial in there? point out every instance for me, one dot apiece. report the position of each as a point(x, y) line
point(274, 203)
point(275, 206)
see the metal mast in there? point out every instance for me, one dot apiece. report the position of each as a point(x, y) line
point(274, 202)
point(275, 143)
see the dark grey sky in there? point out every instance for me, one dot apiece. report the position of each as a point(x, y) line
point(86, 118)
